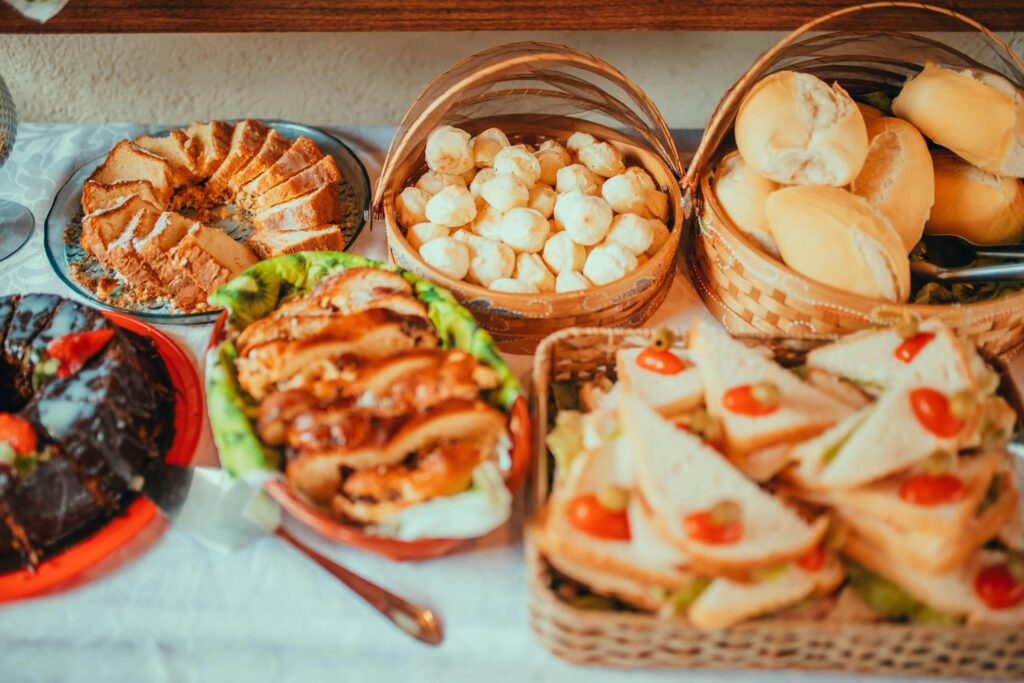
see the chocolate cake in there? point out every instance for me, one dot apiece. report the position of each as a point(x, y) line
point(85, 408)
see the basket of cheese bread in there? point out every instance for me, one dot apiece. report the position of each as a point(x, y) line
point(539, 185)
point(841, 172)
point(703, 501)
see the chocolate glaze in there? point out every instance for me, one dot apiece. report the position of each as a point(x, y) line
point(28, 319)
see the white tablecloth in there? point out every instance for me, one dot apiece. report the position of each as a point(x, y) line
point(165, 608)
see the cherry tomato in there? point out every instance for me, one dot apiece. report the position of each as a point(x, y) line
point(590, 517)
point(931, 407)
point(930, 490)
point(741, 400)
point(74, 350)
point(997, 587)
point(661, 361)
point(700, 526)
point(18, 433)
point(814, 560)
point(909, 349)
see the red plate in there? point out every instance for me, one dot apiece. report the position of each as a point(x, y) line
point(520, 431)
point(188, 423)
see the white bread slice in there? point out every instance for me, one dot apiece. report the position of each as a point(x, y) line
point(176, 147)
point(274, 145)
point(668, 394)
point(211, 257)
point(271, 243)
point(763, 464)
point(98, 196)
point(838, 388)
point(952, 592)
point(212, 141)
point(157, 249)
point(678, 474)
point(127, 161)
point(301, 155)
point(1012, 534)
point(246, 141)
point(725, 363)
point(123, 256)
point(726, 602)
point(103, 227)
point(308, 211)
point(323, 172)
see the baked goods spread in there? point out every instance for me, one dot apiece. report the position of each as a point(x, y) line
point(842, 191)
point(711, 483)
point(148, 207)
point(85, 408)
point(563, 216)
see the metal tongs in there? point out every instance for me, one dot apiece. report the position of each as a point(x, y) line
point(950, 258)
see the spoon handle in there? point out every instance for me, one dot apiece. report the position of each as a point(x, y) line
point(1005, 272)
point(418, 622)
point(1001, 251)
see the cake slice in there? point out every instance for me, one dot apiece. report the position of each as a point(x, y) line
point(301, 155)
point(211, 257)
point(323, 172)
point(97, 196)
point(270, 243)
point(273, 147)
point(177, 149)
point(103, 227)
point(246, 141)
point(156, 249)
point(128, 161)
point(212, 141)
point(308, 211)
point(124, 257)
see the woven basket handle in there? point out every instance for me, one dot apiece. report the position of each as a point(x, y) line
point(722, 117)
point(565, 76)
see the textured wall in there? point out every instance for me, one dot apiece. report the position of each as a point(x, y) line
point(350, 78)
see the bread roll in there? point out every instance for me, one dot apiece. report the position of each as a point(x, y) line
point(794, 129)
point(742, 194)
point(839, 239)
point(977, 205)
point(978, 115)
point(897, 177)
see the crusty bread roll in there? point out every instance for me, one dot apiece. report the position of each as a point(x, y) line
point(897, 177)
point(837, 238)
point(977, 205)
point(978, 115)
point(742, 194)
point(793, 128)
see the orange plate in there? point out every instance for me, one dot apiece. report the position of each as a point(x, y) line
point(188, 423)
point(520, 429)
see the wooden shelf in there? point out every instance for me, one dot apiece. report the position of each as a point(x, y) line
point(227, 16)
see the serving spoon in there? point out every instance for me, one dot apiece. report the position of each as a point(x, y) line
point(952, 250)
point(1003, 272)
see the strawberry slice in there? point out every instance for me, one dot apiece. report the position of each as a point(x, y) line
point(18, 433)
point(74, 350)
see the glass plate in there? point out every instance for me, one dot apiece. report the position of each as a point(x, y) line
point(64, 226)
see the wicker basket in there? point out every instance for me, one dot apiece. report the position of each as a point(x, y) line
point(753, 293)
point(634, 639)
point(533, 92)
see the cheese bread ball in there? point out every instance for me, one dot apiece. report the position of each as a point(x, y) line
point(656, 205)
point(633, 232)
point(625, 194)
point(552, 157)
point(505, 192)
point(421, 233)
point(609, 262)
point(520, 162)
point(641, 176)
point(660, 232)
point(450, 256)
point(571, 281)
point(448, 151)
point(542, 199)
point(511, 286)
point(530, 268)
point(587, 219)
point(411, 205)
point(562, 254)
point(433, 182)
point(488, 223)
point(577, 177)
point(489, 260)
point(525, 230)
point(451, 207)
point(577, 141)
point(602, 159)
point(486, 145)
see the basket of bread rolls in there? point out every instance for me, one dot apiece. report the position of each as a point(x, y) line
point(839, 171)
point(542, 187)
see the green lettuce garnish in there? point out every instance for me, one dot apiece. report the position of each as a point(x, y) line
point(891, 600)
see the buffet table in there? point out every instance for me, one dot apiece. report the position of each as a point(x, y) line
point(164, 606)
